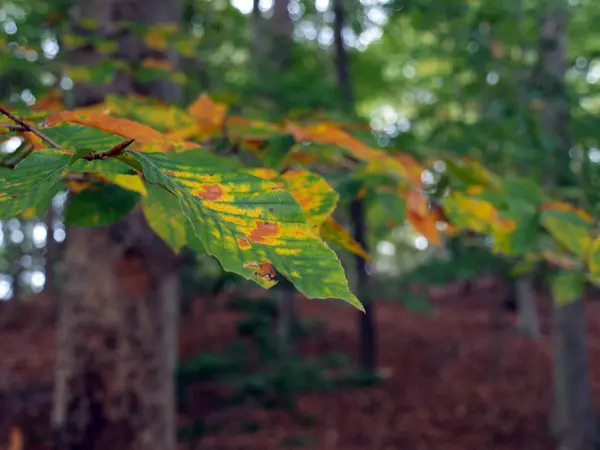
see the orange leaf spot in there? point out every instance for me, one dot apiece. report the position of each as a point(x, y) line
point(264, 270)
point(243, 242)
point(210, 192)
point(264, 231)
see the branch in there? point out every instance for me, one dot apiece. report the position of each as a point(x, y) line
point(10, 127)
point(20, 156)
point(29, 128)
point(115, 151)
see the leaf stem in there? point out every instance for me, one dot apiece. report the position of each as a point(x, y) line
point(115, 151)
point(29, 128)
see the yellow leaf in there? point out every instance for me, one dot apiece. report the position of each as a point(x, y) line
point(129, 182)
point(426, 225)
point(209, 114)
point(594, 260)
point(334, 232)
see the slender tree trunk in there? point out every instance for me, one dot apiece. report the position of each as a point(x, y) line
point(282, 29)
point(366, 322)
point(574, 420)
point(574, 417)
point(118, 314)
point(257, 42)
point(52, 250)
point(527, 320)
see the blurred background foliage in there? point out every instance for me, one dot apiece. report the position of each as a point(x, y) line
point(431, 78)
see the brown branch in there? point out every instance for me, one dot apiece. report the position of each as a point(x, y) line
point(11, 164)
point(29, 128)
point(10, 127)
point(115, 151)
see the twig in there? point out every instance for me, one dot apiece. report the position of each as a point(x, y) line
point(115, 151)
point(10, 127)
point(29, 128)
point(11, 164)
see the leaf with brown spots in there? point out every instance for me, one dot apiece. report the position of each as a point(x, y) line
point(250, 225)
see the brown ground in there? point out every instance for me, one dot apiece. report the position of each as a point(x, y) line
point(455, 382)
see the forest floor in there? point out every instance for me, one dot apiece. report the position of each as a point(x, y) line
point(456, 378)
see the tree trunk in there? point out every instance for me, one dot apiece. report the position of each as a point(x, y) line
point(573, 419)
point(118, 314)
point(527, 320)
point(282, 29)
point(52, 253)
point(114, 386)
point(366, 322)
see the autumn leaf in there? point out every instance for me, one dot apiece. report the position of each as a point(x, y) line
point(210, 115)
point(251, 225)
point(163, 213)
point(564, 206)
point(151, 139)
point(163, 117)
point(335, 233)
point(593, 262)
point(569, 229)
point(426, 225)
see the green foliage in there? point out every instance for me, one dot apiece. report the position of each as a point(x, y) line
point(100, 205)
point(567, 287)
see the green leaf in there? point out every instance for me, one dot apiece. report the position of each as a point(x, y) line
point(522, 189)
point(569, 229)
point(101, 204)
point(74, 136)
point(567, 287)
point(163, 213)
point(250, 225)
point(524, 238)
point(593, 261)
point(279, 147)
point(32, 184)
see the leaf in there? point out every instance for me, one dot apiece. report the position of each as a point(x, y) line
point(251, 226)
point(316, 197)
point(209, 114)
point(76, 136)
point(330, 134)
point(130, 182)
point(335, 233)
point(163, 117)
point(278, 149)
point(523, 189)
point(569, 229)
point(471, 173)
point(593, 261)
point(101, 204)
point(469, 213)
point(151, 139)
point(32, 184)
point(523, 238)
point(567, 287)
point(564, 206)
point(163, 213)
point(426, 225)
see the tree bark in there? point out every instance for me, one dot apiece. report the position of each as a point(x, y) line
point(366, 321)
point(527, 320)
point(574, 421)
point(574, 417)
point(118, 313)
